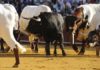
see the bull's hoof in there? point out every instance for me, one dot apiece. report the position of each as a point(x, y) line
point(35, 51)
point(81, 53)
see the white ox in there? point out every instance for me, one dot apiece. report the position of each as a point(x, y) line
point(92, 11)
point(29, 12)
point(83, 16)
point(8, 21)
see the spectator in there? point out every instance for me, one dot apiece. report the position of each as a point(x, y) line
point(57, 5)
point(48, 3)
point(67, 7)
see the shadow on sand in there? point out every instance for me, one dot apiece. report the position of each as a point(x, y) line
point(44, 56)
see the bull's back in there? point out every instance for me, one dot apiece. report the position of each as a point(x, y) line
point(53, 22)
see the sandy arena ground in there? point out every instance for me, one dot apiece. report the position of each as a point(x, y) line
point(33, 61)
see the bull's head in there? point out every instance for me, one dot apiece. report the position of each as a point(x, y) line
point(76, 22)
point(93, 38)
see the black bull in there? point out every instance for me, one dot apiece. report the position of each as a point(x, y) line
point(93, 40)
point(50, 28)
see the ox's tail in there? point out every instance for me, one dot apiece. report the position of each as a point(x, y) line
point(23, 50)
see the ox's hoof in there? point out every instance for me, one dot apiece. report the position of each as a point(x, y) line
point(76, 51)
point(97, 55)
point(64, 54)
point(16, 65)
point(7, 49)
point(23, 51)
point(55, 53)
point(47, 55)
point(2, 51)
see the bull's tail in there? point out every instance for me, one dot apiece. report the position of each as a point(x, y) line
point(23, 50)
point(27, 18)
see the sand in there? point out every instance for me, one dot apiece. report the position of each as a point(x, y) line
point(33, 61)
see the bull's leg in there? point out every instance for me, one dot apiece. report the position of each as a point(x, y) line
point(62, 48)
point(16, 57)
point(36, 45)
point(32, 46)
point(55, 48)
point(47, 48)
point(97, 50)
point(82, 51)
point(61, 40)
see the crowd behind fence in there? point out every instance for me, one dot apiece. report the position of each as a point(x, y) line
point(62, 6)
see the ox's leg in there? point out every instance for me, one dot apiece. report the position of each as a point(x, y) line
point(74, 46)
point(61, 40)
point(12, 45)
point(32, 46)
point(47, 48)
point(82, 51)
point(16, 57)
point(7, 49)
point(8, 37)
point(2, 46)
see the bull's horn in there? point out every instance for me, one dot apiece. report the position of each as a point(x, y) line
point(73, 37)
point(36, 18)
